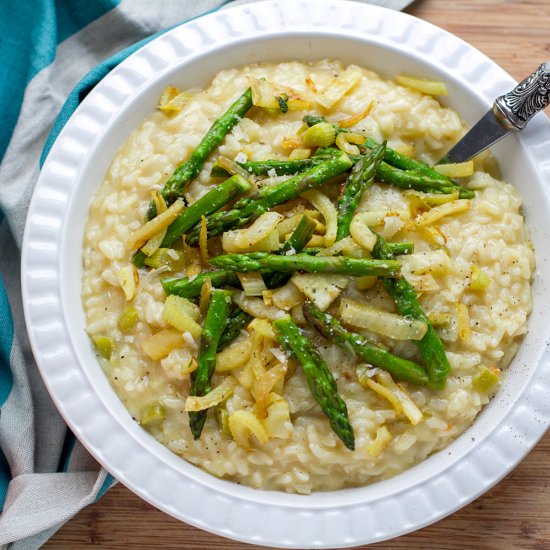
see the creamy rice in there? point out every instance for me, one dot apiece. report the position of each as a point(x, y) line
point(491, 235)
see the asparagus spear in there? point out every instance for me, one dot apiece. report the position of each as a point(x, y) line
point(296, 243)
point(210, 202)
point(319, 378)
point(404, 162)
point(188, 287)
point(263, 261)
point(398, 249)
point(283, 167)
point(262, 167)
point(191, 287)
point(404, 296)
point(190, 169)
point(248, 209)
point(330, 328)
point(401, 249)
point(360, 179)
point(419, 181)
point(237, 320)
point(216, 318)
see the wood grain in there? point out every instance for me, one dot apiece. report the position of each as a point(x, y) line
point(513, 515)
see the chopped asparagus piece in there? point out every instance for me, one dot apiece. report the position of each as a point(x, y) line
point(153, 416)
point(103, 345)
point(128, 319)
point(190, 287)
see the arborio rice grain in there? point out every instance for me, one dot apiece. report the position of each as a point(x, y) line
point(490, 235)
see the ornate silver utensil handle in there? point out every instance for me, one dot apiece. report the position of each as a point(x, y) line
point(514, 109)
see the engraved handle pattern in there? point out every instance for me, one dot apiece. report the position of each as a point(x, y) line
point(516, 108)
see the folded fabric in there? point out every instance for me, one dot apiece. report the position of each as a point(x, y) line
point(53, 53)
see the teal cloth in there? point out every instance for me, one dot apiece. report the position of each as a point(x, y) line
point(31, 31)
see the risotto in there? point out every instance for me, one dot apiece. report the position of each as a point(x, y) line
point(323, 320)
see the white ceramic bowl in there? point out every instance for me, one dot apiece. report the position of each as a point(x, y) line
point(190, 55)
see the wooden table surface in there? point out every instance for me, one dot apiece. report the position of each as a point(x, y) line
point(516, 513)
